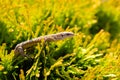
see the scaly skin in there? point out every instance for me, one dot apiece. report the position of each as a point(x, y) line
point(19, 49)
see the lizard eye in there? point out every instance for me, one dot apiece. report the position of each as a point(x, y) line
point(62, 35)
point(69, 34)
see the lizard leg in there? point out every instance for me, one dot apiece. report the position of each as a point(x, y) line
point(21, 51)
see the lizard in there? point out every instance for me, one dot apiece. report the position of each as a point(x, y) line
point(19, 49)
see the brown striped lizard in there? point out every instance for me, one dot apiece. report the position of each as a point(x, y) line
point(19, 49)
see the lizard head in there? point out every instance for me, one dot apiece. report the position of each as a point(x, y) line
point(63, 35)
point(67, 34)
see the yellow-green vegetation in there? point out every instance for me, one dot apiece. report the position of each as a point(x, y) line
point(92, 54)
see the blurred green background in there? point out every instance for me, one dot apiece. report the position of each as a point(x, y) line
point(92, 54)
